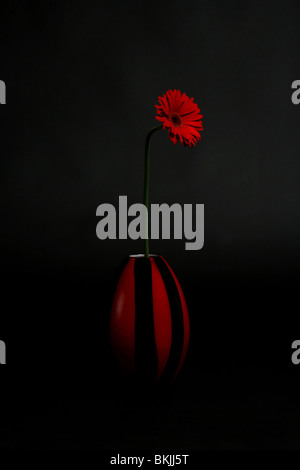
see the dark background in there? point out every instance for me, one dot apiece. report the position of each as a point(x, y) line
point(82, 80)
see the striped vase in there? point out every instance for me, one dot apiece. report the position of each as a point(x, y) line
point(149, 322)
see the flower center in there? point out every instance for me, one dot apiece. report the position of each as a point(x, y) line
point(175, 119)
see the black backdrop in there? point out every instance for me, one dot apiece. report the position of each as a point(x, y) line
point(82, 80)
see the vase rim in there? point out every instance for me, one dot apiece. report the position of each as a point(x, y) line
point(142, 256)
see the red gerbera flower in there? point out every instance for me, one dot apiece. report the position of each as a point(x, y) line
point(181, 116)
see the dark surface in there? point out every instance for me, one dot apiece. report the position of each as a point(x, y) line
point(238, 389)
point(249, 417)
point(82, 81)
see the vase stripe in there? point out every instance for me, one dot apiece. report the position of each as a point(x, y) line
point(162, 319)
point(145, 345)
point(177, 321)
point(122, 319)
point(186, 322)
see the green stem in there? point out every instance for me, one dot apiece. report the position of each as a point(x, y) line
point(146, 183)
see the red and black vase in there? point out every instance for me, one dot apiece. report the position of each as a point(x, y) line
point(149, 322)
